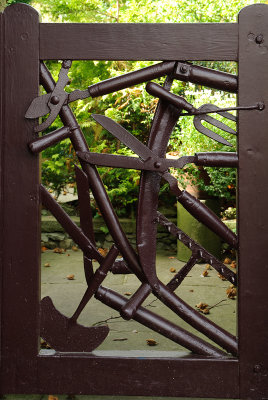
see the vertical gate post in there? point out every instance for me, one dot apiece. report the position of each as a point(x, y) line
point(253, 203)
point(20, 237)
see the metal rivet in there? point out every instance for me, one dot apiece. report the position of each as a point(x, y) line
point(183, 69)
point(261, 106)
point(55, 100)
point(157, 164)
point(257, 368)
point(259, 39)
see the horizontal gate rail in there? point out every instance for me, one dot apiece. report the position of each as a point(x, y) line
point(139, 41)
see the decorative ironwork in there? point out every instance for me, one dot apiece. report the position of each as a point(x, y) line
point(69, 336)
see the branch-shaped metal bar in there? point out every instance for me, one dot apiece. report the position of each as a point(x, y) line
point(217, 334)
point(182, 71)
point(206, 76)
point(70, 227)
point(197, 249)
point(96, 281)
point(54, 137)
point(160, 325)
point(85, 213)
point(183, 272)
point(95, 182)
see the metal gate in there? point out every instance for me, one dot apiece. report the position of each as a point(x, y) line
point(235, 367)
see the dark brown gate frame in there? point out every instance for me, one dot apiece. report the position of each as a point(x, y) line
point(24, 42)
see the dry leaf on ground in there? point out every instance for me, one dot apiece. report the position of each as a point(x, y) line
point(151, 342)
point(221, 277)
point(173, 270)
point(70, 277)
point(47, 265)
point(231, 292)
point(233, 264)
point(205, 273)
point(203, 307)
point(58, 250)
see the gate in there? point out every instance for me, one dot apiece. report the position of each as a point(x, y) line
point(231, 367)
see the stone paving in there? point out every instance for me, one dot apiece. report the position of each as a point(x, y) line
point(130, 336)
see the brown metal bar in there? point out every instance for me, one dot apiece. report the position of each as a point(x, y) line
point(44, 142)
point(95, 182)
point(20, 226)
point(131, 79)
point(86, 221)
point(96, 281)
point(183, 272)
point(206, 76)
point(252, 204)
point(217, 159)
point(165, 119)
point(71, 228)
point(123, 41)
point(160, 324)
point(194, 318)
point(197, 248)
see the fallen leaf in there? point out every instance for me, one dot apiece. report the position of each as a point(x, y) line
point(70, 277)
point(151, 342)
point(74, 248)
point(227, 261)
point(233, 264)
point(68, 254)
point(47, 265)
point(205, 311)
point(172, 269)
point(222, 277)
point(128, 293)
point(58, 250)
point(135, 331)
point(103, 252)
point(208, 266)
point(205, 273)
point(51, 397)
point(191, 290)
point(231, 292)
point(50, 191)
point(120, 339)
point(43, 249)
point(202, 305)
point(171, 258)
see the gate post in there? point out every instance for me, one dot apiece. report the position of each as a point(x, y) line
point(253, 204)
point(19, 207)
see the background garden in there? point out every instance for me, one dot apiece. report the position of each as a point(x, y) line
point(134, 107)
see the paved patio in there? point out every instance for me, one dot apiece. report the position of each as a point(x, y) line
point(130, 336)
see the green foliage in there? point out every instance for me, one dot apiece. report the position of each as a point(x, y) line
point(220, 182)
point(133, 107)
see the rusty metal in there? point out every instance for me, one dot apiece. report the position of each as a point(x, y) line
point(232, 371)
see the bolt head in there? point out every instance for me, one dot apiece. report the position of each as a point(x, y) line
point(157, 164)
point(257, 368)
point(183, 69)
point(55, 100)
point(259, 39)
